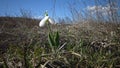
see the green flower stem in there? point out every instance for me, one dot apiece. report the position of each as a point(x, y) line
point(51, 34)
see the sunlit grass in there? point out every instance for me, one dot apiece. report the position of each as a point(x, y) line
point(79, 46)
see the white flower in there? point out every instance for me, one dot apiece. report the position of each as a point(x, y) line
point(45, 20)
point(51, 21)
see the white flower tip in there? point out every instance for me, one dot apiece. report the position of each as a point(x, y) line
point(51, 21)
point(43, 21)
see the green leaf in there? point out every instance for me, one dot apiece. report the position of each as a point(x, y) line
point(56, 39)
point(50, 40)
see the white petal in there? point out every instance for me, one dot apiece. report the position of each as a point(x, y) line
point(43, 21)
point(51, 21)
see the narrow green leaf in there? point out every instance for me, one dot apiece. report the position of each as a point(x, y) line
point(56, 39)
point(50, 40)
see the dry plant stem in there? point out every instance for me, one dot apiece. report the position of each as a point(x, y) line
point(70, 52)
point(61, 46)
point(76, 54)
point(45, 64)
point(43, 55)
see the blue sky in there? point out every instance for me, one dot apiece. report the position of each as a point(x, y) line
point(38, 7)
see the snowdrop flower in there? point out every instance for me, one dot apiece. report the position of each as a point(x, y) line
point(45, 20)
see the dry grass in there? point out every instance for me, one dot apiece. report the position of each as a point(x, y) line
point(24, 44)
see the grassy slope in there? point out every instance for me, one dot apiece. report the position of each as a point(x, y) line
point(96, 38)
